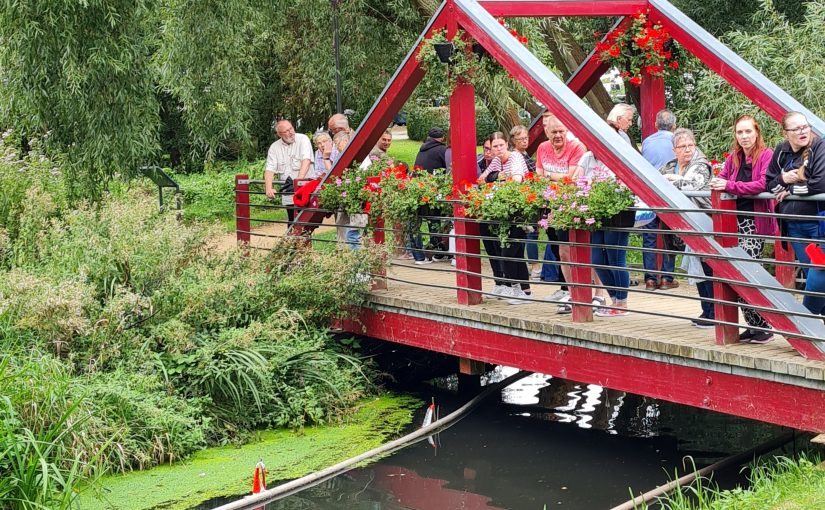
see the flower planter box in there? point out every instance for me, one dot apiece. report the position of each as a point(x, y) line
point(624, 219)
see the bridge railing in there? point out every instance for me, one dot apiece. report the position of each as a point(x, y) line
point(261, 222)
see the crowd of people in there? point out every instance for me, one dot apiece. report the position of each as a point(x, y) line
point(796, 167)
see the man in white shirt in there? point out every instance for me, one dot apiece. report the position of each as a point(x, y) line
point(290, 157)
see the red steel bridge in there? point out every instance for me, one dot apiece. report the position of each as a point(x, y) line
point(653, 352)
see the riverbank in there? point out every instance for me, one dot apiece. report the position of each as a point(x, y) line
point(227, 470)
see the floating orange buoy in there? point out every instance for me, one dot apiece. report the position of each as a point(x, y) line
point(259, 477)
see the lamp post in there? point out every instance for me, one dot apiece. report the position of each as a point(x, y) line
point(336, 48)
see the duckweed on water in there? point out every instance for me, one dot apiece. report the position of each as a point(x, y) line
point(227, 471)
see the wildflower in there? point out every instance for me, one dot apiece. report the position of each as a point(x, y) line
point(590, 221)
point(338, 182)
point(543, 223)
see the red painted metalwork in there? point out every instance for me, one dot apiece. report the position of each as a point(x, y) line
point(463, 139)
point(652, 95)
point(407, 78)
point(783, 404)
point(674, 220)
point(242, 227)
point(785, 275)
point(724, 223)
point(562, 8)
point(378, 237)
point(582, 273)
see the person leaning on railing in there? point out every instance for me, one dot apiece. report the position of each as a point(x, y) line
point(506, 164)
point(690, 171)
point(743, 175)
point(798, 168)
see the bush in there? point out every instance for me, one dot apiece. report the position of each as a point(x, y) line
point(421, 119)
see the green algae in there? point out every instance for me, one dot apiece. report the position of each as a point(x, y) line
point(227, 471)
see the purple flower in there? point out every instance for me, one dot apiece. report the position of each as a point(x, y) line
point(343, 194)
point(584, 208)
point(543, 223)
point(577, 220)
point(338, 182)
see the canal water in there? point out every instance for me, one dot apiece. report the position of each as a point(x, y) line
point(546, 443)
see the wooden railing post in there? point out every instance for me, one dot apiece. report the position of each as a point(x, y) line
point(581, 273)
point(725, 223)
point(379, 282)
point(242, 209)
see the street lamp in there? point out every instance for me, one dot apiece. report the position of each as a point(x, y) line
point(336, 47)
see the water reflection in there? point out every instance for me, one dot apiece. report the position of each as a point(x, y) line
point(548, 442)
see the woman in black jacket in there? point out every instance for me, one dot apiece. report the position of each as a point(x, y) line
point(798, 168)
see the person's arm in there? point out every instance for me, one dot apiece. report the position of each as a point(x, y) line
point(305, 153)
point(302, 172)
point(494, 166)
point(270, 168)
point(773, 177)
point(696, 178)
point(270, 192)
point(757, 184)
point(815, 171)
point(575, 157)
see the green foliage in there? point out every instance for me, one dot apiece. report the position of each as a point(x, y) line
point(779, 482)
point(506, 203)
point(586, 204)
point(352, 190)
point(787, 53)
point(421, 119)
point(80, 72)
point(403, 198)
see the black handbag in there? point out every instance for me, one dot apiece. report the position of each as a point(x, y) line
point(288, 186)
point(492, 176)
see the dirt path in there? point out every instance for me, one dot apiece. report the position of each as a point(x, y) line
point(264, 235)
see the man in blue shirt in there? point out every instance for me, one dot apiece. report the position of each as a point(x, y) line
point(657, 149)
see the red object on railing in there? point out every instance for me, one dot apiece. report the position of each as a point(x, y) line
point(581, 272)
point(725, 223)
point(242, 208)
point(303, 195)
point(815, 254)
point(785, 274)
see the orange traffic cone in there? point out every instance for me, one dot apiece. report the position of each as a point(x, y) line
point(259, 478)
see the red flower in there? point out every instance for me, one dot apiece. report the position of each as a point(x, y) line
point(425, 199)
point(674, 65)
point(615, 51)
point(531, 198)
point(597, 34)
point(367, 207)
point(501, 22)
point(514, 32)
point(523, 39)
point(636, 80)
point(624, 74)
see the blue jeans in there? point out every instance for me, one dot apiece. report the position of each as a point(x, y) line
point(416, 244)
point(705, 288)
point(649, 259)
point(550, 272)
point(815, 283)
point(353, 237)
point(804, 230)
point(615, 257)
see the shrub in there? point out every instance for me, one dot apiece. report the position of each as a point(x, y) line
point(421, 119)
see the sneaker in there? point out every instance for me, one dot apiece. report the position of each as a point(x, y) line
point(612, 312)
point(441, 257)
point(452, 262)
point(559, 295)
point(761, 337)
point(423, 262)
point(701, 323)
point(504, 291)
point(535, 275)
point(565, 308)
point(602, 312)
point(745, 336)
point(520, 297)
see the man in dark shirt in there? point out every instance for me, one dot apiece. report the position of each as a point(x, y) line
point(431, 156)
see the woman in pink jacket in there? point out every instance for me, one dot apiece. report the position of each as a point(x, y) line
point(744, 175)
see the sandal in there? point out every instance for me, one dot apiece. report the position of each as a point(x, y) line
point(598, 302)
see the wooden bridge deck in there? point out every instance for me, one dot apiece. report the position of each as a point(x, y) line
point(655, 355)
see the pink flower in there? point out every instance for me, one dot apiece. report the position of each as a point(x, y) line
point(343, 194)
point(590, 221)
point(338, 182)
point(543, 223)
point(577, 220)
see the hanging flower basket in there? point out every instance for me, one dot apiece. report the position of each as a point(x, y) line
point(444, 50)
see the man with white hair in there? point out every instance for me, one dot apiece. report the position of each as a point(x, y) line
point(290, 157)
point(621, 117)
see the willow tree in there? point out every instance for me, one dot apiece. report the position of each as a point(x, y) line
point(80, 72)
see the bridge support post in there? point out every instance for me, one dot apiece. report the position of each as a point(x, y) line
point(379, 281)
point(463, 137)
point(785, 275)
point(725, 223)
point(652, 97)
point(581, 273)
point(242, 210)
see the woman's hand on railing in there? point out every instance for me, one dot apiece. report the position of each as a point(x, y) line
point(718, 184)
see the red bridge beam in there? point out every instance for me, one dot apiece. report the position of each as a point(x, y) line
point(740, 395)
point(543, 8)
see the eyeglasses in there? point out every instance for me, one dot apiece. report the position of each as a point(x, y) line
point(685, 147)
point(488, 149)
point(520, 139)
point(799, 130)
